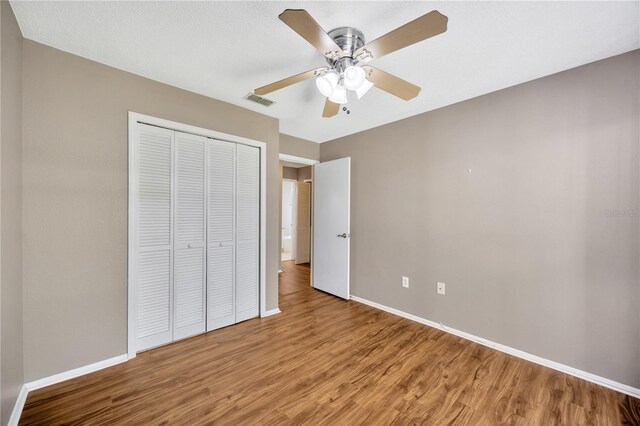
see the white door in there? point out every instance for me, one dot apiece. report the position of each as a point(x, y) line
point(221, 235)
point(189, 246)
point(331, 230)
point(247, 231)
point(303, 223)
point(153, 237)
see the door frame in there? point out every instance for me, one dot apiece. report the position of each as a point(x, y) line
point(133, 119)
point(309, 162)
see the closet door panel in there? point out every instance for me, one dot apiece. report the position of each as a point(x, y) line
point(247, 234)
point(221, 234)
point(189, 257)
point(221, 291)
point(247, 281)
point(154, 236)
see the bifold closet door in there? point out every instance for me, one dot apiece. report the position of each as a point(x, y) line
point(195, 234)
point(154, 236)
point(189, 279)
point(248, 228)
point(221, 232)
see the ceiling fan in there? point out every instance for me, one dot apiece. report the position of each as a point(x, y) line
point(348, 55)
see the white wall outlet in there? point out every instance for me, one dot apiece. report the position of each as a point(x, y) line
point(405, 282)
point(441, 288)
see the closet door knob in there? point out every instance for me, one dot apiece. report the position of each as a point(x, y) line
point(188, 245)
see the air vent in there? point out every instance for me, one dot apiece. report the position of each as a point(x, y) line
point(259, 100)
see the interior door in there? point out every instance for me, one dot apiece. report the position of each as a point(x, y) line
point(303, 223)
point(189, 247)
point(331, 227)
point(221, 293)
point(247, 231)
point(154, 237)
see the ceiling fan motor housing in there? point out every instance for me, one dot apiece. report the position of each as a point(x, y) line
point(348, 39)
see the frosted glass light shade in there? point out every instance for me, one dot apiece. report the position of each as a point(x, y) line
point(339, 95)
point(326, 83)
point(353, 77)
point(364, 88)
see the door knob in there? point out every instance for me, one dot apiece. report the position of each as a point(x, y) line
point(343, 235)
point(188, 245)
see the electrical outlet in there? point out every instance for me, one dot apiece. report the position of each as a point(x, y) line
point(405, 282)
point(441, 288)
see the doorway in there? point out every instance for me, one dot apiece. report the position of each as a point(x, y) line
point(296, 211)
point(319, 235)
point(288, 225)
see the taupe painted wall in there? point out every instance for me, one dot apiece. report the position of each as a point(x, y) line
point(75, 199)
point(11, 370)
point(304, 173)
point(525, 240)
point(289, 173)
point(299, 147)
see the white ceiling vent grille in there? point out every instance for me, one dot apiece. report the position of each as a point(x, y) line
point(259, 100)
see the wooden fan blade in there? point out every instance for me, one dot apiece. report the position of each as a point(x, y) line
point(429, 25)
point(287, 81)
point(391, 84)
point(330, 109)
point(301, 22)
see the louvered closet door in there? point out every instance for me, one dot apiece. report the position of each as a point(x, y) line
point(153, 239)
point(189, 249)
point(221, 234)
point(248, 202)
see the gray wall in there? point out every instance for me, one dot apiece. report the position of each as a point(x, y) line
point(11, 371)
point(525, 241)
point(75, 199)
point(299, 147)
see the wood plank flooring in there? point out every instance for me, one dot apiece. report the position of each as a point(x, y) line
point(327, 361)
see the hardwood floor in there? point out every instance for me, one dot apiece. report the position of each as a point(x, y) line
point(327, 361)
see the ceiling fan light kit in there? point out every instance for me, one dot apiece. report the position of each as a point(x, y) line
point(346, 52)
point(326, 82)
point(354, 76)
point(364, 88)
point(339, 95)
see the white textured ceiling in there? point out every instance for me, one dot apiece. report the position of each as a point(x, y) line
point(226, 49)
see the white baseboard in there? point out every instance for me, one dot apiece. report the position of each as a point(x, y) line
point(269, 313)
point(19, 405)
point(602, 381)
point(76, 372)
point(57, 378)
